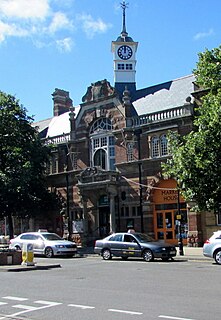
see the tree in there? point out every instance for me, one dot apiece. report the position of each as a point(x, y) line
point(196, 158)
point(23, 161)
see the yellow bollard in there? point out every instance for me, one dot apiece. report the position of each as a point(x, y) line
point(27, 254)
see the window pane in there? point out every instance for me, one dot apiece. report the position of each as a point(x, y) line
point(163, 145)
point(155, 147)
point(103, 141)
point(111, 141)
point(99, 159)
point(112, 151)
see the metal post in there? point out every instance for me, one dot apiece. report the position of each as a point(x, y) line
point(138, 133)
point(68, 208)
point(68, 198)
point(180, 242)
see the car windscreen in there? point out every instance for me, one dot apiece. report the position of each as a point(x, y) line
point(142, 237)
point(51, 236)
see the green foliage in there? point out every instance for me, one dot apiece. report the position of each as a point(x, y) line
point(23, 161)
point(196, 157)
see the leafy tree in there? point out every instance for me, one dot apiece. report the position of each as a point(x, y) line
point(23, 161)
point(196, 158)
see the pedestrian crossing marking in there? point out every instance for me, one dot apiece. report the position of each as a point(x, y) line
point(49, 303)
point(14, 298)
point(25, 307)
point(3, 303)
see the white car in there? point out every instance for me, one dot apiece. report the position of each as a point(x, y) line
point(44, 243)
point(212, 247)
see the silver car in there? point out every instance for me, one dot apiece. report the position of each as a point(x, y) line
point(44, 243)
point(212, 247)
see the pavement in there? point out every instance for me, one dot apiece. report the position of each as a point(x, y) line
point(190, 253)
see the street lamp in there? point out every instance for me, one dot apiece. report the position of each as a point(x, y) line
point(137, 134)
point(68, 199)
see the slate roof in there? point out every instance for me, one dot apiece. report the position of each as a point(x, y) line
point(164, 96)
point(55, 126)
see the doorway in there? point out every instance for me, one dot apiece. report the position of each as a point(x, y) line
point(104, 221)
point(166, 225)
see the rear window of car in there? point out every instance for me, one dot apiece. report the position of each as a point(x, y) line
point(51, 236)
point(116, 237)
point(29, 237)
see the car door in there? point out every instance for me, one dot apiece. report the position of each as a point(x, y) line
point(115, 243)
point(38, 244)
point(131, 246)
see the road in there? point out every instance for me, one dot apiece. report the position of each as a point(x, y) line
point(92, 289)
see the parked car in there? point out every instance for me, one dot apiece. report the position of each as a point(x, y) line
point(212, 247)
point(44, 243)
point(126, 245)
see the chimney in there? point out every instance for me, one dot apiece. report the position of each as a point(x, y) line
point(62, 101)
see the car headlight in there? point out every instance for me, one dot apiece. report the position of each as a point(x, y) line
point(163, 249)
point(59, 246)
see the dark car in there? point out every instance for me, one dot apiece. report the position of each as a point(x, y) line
point(126, 245)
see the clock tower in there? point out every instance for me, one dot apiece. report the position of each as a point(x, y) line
point(124, 51)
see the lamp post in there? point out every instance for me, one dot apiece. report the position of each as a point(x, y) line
point(137, 134)
point(68, 199)
point(180, 242)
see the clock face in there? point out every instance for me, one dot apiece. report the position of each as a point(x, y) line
point(125, 52)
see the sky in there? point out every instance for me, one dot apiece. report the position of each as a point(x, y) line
point(66, 44)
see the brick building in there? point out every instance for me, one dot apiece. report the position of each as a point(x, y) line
point(108, 151)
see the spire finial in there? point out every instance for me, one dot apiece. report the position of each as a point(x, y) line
point(124, 6)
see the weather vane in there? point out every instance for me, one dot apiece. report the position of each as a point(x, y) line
point(124, 6)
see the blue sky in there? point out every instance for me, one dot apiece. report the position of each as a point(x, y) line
point(66, 44)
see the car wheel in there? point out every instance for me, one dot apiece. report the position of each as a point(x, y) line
point(148, 255)
point(49, 252)
point(217, 256)
point(17, 248)
point(106, 254)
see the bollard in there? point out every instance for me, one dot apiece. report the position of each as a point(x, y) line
point(27, 254)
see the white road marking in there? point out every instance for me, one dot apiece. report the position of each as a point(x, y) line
point(15, 298)
point(174, 318)
point(47, 304)
point(125, 311)
point(22, 306)
point(80, 306)
point(2, 303)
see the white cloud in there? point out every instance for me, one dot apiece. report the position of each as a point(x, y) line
point(42, 20)
point(65, 45)
point(59, 21)
point(11, 30)
point(91, 26)
point(201, 35)
point(24, 9)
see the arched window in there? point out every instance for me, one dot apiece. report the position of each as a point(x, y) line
point(100, 159)
point(102, 124)
point(155, 147)
point(130, 150)
point(159, 146)
point(102, 144)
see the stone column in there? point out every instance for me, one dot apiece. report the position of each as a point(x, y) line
point(112, 214)
point(85, 216)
